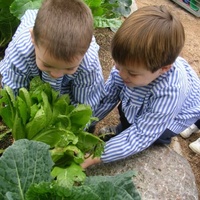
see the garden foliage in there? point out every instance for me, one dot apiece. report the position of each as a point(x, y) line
point(25, 175)
point(41, 114)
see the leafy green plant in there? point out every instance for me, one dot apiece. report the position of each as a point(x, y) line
point(40, 114)
point(8, 22)
point(106, 13)
point(22, 164)
point(25, 175)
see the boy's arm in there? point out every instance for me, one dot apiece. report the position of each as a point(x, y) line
point(89, 88)
point(146, 129)
point(15, 68)
point(113, 87)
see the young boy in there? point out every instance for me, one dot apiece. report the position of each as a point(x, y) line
point(157, 91)
point(194, 128)
point(57, 43)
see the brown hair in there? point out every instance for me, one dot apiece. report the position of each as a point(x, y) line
point(151, 36)
point(64, 28)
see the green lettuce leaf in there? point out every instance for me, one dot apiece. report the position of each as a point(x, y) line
point(68, 176)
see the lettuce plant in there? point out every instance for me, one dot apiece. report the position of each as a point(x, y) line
point(41, 114)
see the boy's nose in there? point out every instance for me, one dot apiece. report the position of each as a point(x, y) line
point(56, 74)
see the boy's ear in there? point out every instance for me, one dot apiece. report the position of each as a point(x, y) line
point(165, 69)
point(32, 36)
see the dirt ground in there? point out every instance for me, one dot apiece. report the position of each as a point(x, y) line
point(191, 52)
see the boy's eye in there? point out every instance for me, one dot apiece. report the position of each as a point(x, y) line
point(47, 66)
point(132, 74)
point(70, 69)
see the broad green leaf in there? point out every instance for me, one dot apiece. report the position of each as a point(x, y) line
point(25, 95)
point(93, 4)
point(36, 125)
point(105, 23)
point(33, 110)
point(124, 10)
point(18, 131)
point(66, 177)
point(11, 95)
point(95, 145)
point(22, 164)
point(7, 106)
point(12, 196)
point(78, 155)
point(18, 7)
point(107, 190)
point(57, 154)
point(125, 3)
point(35, 82)
point(80, 116)
point(48, 191)
point(84, 192)
point(123, 7)
point(6, 116)
point(7, 111)
point(47, 108)
point(62, 104)
point(37, 86)
point(64, 157)
point(63, 121)
point(121, 182)
point(22, 110)
point(67, 138)
point(8, 22)
point(50, 136)
point(5, 4)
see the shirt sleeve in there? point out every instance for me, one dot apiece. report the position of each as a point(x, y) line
point(163, 106)
point(111, 97)
point(88, 86)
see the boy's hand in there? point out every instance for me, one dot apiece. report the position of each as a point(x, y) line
point(90, 161)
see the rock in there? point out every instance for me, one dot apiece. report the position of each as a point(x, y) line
point(162, 174)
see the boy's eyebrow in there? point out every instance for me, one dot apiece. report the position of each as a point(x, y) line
point(54, 67)
point(47, 64)
point(134, 72)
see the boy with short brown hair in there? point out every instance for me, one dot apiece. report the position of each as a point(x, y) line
point(157, 91)
point(57, 43)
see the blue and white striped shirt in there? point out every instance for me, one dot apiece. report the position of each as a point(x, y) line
point(85, 86)
point(171, 101)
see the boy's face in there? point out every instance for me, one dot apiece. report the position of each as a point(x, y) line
point(136, 76)
point(54, 67)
